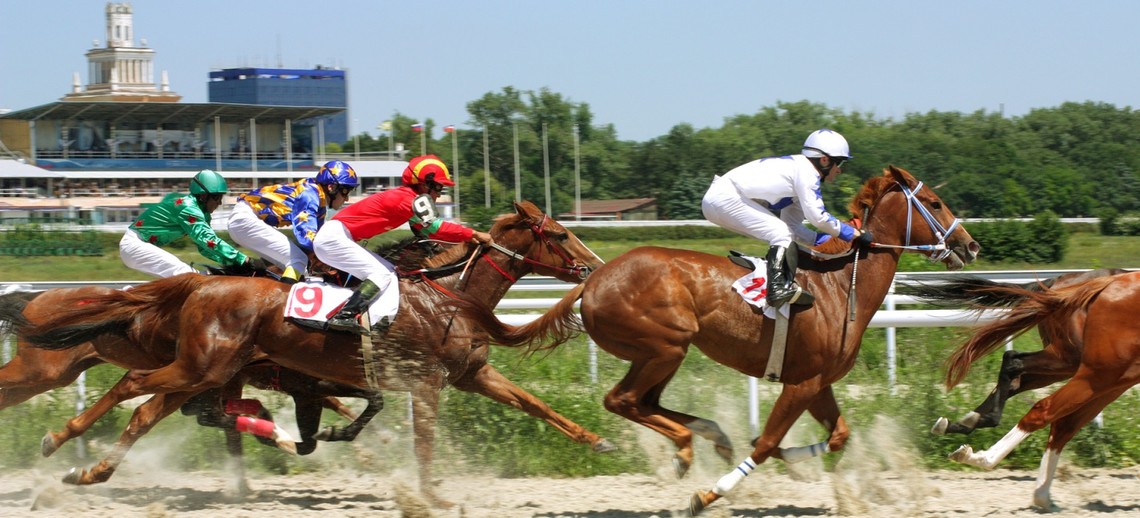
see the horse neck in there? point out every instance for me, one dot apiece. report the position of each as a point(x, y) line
point(873, 277)
point(484, 282)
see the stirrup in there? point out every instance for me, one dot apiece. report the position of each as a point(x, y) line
point(350, 325)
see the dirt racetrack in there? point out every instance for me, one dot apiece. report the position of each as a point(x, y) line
point(767, 493)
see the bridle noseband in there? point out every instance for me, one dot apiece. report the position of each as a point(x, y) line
point(941, 233)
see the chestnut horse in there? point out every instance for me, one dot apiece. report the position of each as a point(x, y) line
point(1101, 313)
point(226, 323)
point(34, 370)
point(1020, 370)
point(649, 304)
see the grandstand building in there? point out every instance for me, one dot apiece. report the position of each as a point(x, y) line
point(105, 150)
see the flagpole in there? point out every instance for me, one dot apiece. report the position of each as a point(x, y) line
point(546, 166)
point(455, 168)
point(486, 170)
point(423, 140)
point(518, 181)
point(577, 178)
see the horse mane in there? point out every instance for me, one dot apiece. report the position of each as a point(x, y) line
point(1054, 305)
point(872, 190)
point(455, 253)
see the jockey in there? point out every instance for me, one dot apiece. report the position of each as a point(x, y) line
point(414, 202)
point(769, 198)
point(303, 204)
point(179, 215)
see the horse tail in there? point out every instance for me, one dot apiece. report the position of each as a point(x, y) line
point(558, 325)
point(108, 314)
point(972, 291)
point(1036, 306)
point(12, 310)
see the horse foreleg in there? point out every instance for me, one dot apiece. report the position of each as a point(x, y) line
point(375, 400)
point(308, 412)
point(793, 400)
point(425, 408)
point(236, 463)
point(341, 409)
point(144, 418)
point(491, 383)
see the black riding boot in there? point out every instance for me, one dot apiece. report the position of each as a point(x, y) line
point(782, 287)
point(348, 318)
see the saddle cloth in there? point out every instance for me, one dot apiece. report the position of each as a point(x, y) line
point(313, 300)
point(753, 288)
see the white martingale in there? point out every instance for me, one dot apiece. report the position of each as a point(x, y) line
point(729, 481)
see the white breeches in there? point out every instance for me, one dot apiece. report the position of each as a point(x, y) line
point(270, 243)
point(336, 248)
point(150, 259)
point(725, 206)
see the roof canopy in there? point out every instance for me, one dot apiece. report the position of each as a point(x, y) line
point(157, 113)
point(18, 169)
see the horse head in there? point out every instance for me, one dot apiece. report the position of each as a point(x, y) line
point(904, 213)
point(550, 248)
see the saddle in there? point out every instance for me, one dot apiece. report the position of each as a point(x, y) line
point(738, 258)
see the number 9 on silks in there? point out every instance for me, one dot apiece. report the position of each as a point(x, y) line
point(412, 202)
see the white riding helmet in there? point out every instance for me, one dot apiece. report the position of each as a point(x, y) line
point(826, 142)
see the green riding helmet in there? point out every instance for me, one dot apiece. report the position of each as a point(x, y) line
point(208, 182)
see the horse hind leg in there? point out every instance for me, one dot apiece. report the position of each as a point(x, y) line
point(1020, 371)
point(1061, 433)
point(144, 418)
point(636, 398)
point(375, 403)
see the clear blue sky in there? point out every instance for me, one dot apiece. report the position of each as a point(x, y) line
point(643, 66)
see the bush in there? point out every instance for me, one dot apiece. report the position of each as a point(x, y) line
point(1042, 240)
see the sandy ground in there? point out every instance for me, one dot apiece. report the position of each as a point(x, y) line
point(807, 491)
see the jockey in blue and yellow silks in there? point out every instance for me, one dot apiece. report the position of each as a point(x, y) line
point(301, 204)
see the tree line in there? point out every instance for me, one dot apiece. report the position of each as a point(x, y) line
point(1074, 160)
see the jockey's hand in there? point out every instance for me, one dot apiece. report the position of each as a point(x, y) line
point(256, 263)
point(482, 238)
point(865, 238)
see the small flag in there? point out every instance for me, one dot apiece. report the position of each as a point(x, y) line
point(449, 129)
point(417, 127)
point(386, 125)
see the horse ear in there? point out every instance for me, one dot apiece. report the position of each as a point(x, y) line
point(900, 175)
point(528, 209)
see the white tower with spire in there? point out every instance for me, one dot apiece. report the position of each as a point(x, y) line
point(120, 71)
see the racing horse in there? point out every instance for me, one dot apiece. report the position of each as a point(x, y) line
point(1020, 371)
point(34, 370)
point(1101, 312)
point(226, 323)
point(648, 305)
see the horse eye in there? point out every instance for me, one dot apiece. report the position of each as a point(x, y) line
point(937, 205)
point(561, 237)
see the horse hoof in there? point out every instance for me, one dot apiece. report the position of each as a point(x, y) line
point(287, 446)
point(940, 426)
point(603, 446)
point(701, 500)
point(48, 446)
point(72, 477)
point(680, 467)
point(962, 454)
point(324, 434)
point(725, 452)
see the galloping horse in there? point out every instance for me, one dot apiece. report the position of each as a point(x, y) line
point(1020, 370)
point(649, 304)
point(1101, 313)
point(34, 370)
point(226, 323)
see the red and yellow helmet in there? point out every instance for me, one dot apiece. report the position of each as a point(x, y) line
point(427, 168)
